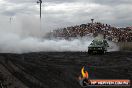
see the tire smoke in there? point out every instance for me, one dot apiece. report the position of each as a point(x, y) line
point(24, 36)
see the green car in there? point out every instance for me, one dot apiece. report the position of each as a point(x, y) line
point(98, 46)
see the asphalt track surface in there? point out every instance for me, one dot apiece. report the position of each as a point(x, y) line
point(62, 69)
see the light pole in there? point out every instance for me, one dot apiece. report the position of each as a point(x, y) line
point(92, 20)
point(40, 1)
point(10, 20)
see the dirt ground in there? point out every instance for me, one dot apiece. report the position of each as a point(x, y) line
point(62, 69)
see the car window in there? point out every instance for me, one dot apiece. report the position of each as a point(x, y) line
point(96, 43)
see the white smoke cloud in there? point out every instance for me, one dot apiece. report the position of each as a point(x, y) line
point(113, 46)
point(22, 36)
point(14, 44)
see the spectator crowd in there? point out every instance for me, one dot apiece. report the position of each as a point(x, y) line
point(108, 32)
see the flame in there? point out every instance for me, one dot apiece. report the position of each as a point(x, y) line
point(84, 73)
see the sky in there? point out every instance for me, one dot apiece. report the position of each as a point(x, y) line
point(63, 13)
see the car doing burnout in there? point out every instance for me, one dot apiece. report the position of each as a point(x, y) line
point(98, 46)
